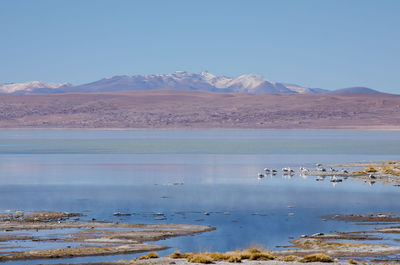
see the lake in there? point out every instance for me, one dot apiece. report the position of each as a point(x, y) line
point(186, 173)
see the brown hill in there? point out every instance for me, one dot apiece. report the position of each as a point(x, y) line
point(194, 109)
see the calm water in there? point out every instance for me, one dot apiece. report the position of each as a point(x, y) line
point(99, 172)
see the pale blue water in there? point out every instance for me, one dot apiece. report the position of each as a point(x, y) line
point(99, 172)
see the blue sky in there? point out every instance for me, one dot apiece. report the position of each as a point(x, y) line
point(315, 43)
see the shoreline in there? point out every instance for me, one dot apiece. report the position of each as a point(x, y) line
point(339, 128)
point(93, 238)
point(105, 238)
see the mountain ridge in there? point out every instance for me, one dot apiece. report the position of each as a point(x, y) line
point(179, 80)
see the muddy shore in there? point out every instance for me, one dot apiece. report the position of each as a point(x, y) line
point(96, 238)
point(113, 238)
point(168, 261)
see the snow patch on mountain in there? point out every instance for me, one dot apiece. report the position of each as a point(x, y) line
point(179, 80)
point(28, 86)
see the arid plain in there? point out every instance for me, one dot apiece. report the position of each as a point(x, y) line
point(194, 109)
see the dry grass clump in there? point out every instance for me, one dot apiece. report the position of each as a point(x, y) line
point(250, 254)
point(216, 256)
point(317, 257)
point(289, 258)
point(307, 244)
point(232, 256)
point(352, 261)
point(252, 250)
point(387, 169)
point(256, 254)
point(150, 255)
point(245, 254)
point(200, 258)
point(235, 258)
point(178, 255)
point(370, 169)
point(262, 256)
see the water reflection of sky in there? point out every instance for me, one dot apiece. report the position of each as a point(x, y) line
point(245, 210)
point(132, 169)
point(258, 134)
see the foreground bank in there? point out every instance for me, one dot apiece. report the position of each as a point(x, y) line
point(102, 238)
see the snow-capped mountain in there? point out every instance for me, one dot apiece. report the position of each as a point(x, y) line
point(250, 84)
point(357, 89)
point(305, 90)
point(30, 87)
point(205, 81)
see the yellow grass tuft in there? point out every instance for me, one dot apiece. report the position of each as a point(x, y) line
point(252, 250)
point(352, 261)
point(216, 256)
point(234, 258)
point(151, 255)
point(371, 169)
point(200, 258)
point(389, 170)
point(317, 257)
point(231, 256)
point(289, 258)
point(177, 255)
point(262, 256)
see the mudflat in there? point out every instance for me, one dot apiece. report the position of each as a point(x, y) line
point(195, 109)
point(96, 238)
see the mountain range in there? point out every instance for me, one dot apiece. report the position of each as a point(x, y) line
point(180, 80)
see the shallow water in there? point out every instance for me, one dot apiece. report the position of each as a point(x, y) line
point(99, 172)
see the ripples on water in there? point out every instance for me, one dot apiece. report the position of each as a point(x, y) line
point(99, 172)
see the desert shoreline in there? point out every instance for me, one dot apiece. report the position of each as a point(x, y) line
point(382, 128)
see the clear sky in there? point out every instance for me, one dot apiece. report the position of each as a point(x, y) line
point(315, 43)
